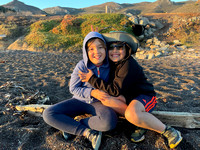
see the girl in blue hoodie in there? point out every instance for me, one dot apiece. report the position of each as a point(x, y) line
point(85, 97)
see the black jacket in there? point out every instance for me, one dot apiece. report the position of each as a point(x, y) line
point(126, 78)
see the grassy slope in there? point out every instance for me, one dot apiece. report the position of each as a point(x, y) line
point(68, 33)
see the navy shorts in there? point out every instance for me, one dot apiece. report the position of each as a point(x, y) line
point(149, 102)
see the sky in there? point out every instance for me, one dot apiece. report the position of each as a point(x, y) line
point(74, 3)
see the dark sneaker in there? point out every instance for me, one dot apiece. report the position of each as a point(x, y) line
point(138, 134)
point(173, 136)
point(95, 138)
point(66, 135)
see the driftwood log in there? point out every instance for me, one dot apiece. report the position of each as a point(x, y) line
point(34, 109)
point(178, 119)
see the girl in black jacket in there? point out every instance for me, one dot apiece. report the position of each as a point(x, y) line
point(128, 79)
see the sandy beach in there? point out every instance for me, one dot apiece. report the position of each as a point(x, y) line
point(176, 79)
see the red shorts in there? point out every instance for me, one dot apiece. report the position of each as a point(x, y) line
point(149, 102)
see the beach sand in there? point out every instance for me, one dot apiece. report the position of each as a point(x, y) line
point(176, 79)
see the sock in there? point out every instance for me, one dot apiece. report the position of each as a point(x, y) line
point(87, 132)
point(164, 130)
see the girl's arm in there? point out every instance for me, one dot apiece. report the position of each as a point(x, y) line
point(125, 77)
point(118, 104)
point(77, 87)
point(113, 87)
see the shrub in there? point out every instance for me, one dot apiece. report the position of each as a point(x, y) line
point(69, 25)
point(44, 25)
point(105, 22)
point(190, 39)
point(70, 32)
point(51, 42)
point(10, 30)
point(189, 35)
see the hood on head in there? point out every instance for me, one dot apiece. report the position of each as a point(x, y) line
point(89, 36)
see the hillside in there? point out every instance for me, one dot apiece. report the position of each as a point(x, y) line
point(63, 33)
point(62, 10)
point(4, 10)
point(189, 7)
point(163, 6)
point(159, 6)
point(112, 7)
point(23, 9)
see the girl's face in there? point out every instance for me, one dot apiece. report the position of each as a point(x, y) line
point(96, 52)
point(116, 51)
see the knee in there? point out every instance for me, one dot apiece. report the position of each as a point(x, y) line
point(47, 115)
point(108, 123)
point(132, 116)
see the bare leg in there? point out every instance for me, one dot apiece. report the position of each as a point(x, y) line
point(136, 114)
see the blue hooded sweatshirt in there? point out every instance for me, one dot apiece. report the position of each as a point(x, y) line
point(82, 90)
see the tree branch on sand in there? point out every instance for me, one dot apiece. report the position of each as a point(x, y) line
point(178, 119)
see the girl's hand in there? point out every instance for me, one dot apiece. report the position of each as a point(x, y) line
point(121, 98)
point(85, 76)
point(92, 29)
point(100, 95)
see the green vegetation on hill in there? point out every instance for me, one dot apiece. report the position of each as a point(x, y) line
point(189, 35)
point(105, 22)
point(4, 10)
point(68, 33)
point(10, 30)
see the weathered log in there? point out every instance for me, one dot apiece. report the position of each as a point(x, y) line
point(2, 35)
point(178, 119)
point(34, 109)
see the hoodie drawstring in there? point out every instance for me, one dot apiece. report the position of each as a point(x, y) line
point(98, 72)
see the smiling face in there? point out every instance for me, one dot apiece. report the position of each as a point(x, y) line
point(96, 51)
point(116, 51)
